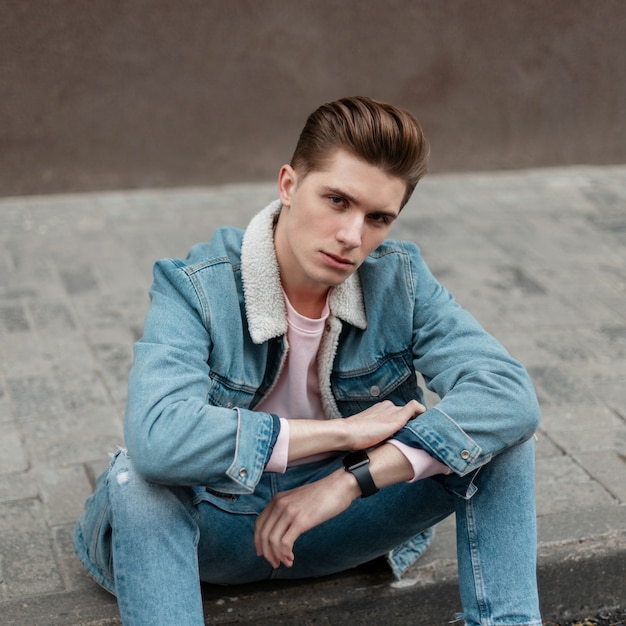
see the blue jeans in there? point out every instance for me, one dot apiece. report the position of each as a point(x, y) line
point(152, 544)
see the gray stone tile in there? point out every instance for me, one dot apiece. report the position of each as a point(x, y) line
point(599, 417)
point(79, 279)
point(20, 486)
point(558, 478)
point(559, 497)
point(580, 523)
point(589, 439)
point(13, 318)
point(607, 467)
point(83, 391)
point(78, 438)
point(65, 354)
point(63, 493)
point(74, 575)
point(51, 316)
point(544, 446)
point(6, 414)
point(34, 398)
point(13, 454)
point(26, 554)
point(569, 344)
point(561, 385)
point(21, 356)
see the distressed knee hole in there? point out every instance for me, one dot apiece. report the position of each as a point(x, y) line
point(122, 477)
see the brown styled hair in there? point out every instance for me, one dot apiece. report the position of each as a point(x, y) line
point(379, 133)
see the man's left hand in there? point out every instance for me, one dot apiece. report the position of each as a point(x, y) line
point(292, 513)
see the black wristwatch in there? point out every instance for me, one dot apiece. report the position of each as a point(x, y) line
point(357, 464)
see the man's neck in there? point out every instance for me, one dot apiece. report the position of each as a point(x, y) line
point(309, 304)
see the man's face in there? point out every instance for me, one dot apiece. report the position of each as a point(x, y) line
point(331, 221)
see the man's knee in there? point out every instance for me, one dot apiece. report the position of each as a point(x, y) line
point(136, 501)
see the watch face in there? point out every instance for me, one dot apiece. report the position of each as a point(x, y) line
point(357, 464)
point(356, 459)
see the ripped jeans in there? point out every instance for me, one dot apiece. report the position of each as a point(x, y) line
point(151, 544)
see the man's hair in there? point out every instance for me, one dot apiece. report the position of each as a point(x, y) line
point(379, 133)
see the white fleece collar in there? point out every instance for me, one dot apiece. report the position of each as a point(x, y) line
point(265, 305)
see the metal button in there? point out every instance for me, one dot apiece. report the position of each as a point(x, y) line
point(375, 390)
point(465, 454)
point(243, 472)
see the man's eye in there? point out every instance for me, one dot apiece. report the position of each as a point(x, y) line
point(379, 219)
point(336, 200)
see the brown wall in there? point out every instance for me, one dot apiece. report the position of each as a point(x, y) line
point(131, 93)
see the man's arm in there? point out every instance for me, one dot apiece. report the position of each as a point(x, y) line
point(487, 400)
point(173, 433)
point(358, 432)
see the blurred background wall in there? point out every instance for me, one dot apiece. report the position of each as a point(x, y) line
point(150, 93)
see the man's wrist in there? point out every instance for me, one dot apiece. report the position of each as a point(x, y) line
point(349, 482)
point(357, 464)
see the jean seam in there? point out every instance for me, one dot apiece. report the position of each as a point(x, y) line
point(479, 586)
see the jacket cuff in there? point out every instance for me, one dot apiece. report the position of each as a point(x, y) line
point(438, 434)
point(279, 452)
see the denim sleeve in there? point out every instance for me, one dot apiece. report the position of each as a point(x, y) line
point(274, 436)
point(173, 434)
point(487, 401)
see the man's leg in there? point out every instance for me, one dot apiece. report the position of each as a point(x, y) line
point(154, 550)
point(156, 524)
point(496, 542)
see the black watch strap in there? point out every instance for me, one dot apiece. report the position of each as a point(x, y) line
point(357, 463)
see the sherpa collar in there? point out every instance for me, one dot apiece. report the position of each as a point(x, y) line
point(265, 304)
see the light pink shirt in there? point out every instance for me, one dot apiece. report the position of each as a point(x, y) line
point(297, 395)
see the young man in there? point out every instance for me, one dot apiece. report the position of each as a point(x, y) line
point(275, 428)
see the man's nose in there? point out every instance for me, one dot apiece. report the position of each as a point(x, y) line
point(351, 230)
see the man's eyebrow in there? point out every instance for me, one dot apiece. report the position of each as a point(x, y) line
point(335, 191)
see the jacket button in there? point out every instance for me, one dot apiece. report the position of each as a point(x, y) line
point(243, 472)
point(465, 454)
point(375, 390)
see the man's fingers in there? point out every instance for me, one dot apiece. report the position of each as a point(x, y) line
point(416, 408)
point(275, 534)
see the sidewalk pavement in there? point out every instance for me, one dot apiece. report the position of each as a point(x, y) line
point(538, 256)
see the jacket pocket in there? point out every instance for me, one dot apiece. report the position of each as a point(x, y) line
point(227, 394)
point(390, 378)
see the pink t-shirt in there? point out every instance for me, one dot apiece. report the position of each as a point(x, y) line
point(297, 392)
point(296, 395)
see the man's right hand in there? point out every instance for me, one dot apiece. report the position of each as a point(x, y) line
point(378, 423)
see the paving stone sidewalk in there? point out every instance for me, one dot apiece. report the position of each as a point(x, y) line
point(538, 256)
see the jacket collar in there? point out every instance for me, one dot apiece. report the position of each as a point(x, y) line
point(265, 304)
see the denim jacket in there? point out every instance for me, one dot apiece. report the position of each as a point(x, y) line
point(215, 340)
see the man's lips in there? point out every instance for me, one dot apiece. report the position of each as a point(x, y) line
point(336, 260)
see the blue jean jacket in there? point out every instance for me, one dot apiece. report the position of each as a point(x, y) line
point(214, 343)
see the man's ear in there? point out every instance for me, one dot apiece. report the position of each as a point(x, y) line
point(287, 181)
